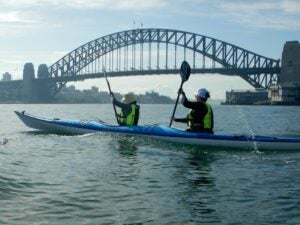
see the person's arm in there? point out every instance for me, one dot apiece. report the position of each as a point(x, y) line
point(118, 103)
point(124, 106)
point(181, 120)
point(186, 103)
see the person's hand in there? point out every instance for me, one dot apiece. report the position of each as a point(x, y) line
point(112, 97)
point(183, 98)
point(173, 118)
point(181, 92)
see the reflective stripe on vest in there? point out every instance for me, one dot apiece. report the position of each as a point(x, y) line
point(207, 120)
point(190, 118)
point(129, 120)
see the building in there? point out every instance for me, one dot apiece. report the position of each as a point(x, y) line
point(285, 94)
point(246, 97)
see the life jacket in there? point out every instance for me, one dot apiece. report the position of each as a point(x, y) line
point(132, 118)
point(207, 123)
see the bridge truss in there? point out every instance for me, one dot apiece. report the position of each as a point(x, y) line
point(161, 51)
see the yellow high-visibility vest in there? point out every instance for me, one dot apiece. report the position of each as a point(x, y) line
point(207, 120)
point(131, 118)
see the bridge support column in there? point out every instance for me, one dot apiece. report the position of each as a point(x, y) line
point(28, 77)
point(287, 91)
point(41, 91)
point(290, 70)
point(36, 90)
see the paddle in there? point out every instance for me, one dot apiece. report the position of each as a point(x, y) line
point(185, 71)
point(110, 92)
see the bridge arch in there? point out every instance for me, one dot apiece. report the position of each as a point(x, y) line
point(216, 57)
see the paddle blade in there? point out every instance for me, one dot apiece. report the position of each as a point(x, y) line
point(185, 71)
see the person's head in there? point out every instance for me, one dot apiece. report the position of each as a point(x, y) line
point(202, 95)
point(128, 98)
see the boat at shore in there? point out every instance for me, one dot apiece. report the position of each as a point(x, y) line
point(161, 132)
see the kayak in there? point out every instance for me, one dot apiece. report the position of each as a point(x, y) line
point(162, 132)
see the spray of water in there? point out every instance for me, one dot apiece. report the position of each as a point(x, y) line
point(245, 126)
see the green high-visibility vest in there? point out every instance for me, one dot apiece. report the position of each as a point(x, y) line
point(131, 119)
point(207, 120)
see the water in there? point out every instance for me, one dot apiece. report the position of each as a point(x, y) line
point(110, 179)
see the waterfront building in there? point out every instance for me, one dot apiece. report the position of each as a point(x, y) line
point(285, 94)
point(246, 97)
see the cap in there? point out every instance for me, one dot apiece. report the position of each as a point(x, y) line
point(203, 93)
point(128, 98)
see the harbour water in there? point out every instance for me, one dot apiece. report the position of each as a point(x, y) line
point(112, 179)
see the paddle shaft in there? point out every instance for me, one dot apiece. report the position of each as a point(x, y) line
point(176, 103)
point(110, 92)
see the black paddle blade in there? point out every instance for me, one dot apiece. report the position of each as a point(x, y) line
point(185, 71)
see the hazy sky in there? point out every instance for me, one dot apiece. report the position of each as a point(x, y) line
point(43, 31)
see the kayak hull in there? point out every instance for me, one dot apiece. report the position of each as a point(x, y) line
point(161, 132)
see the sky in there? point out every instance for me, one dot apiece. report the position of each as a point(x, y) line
point(43, 31)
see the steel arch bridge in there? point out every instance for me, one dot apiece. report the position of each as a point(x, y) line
point(161, 51)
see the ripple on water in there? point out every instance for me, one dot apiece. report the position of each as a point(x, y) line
point(112, 179)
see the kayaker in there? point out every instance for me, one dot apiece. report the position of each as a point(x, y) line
point(130, 110)
point(200, 117)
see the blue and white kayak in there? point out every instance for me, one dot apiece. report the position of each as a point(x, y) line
point(162, 132)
